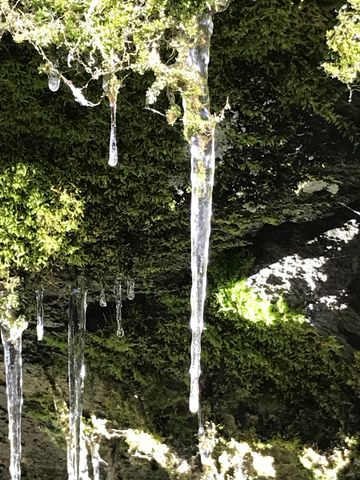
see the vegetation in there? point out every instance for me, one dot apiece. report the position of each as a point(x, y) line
point(267, 373)
point(343, 41)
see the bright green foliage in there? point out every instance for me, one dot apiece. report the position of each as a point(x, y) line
point(238, 298)
point(13, 323)
point(344, 41)
point(35, 219)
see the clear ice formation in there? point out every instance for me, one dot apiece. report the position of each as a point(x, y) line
point(13, 369)
point(202, 150)
point(118, 308)
point(113, 152)
point(76, 373)
point(40, 314)
point(130, 289)
point(54, 82)
point(102, 298)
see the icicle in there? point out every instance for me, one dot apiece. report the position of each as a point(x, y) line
point(202, 181)
point(95, 459)
point(200, 423)
point(12, 342)
point(76, 373)
point(130, 289)
point(40, 314)
point(118, 306)
point(113, 152)
point(102, 298)
point(54, 81)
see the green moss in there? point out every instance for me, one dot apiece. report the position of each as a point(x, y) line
point(237, 298)
point(343, 41)
point(36, 219)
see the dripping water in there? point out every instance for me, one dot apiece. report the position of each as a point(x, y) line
point(54, 82)
point(40, 314)
point(76, 373)
point(130, 289)
point(13, 369)
point(118, 309)
point(113, 152)
point(202, 149)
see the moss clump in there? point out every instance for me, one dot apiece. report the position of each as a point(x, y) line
point(36, 219)
point(239, 299)
point(273, 371)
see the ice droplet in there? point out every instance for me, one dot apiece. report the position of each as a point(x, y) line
point(130, 289)
point(54, 82)
point(102, 299)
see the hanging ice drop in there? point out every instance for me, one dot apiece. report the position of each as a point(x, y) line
point(102, 299)
point(40, 314)
point(130, 289)
point(118, 306)
point(113, 152)
point(54, 82)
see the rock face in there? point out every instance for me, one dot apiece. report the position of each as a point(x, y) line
point(315, 267)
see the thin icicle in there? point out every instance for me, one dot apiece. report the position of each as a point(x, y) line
point(113, 152)
point(54, 82)
point(130, 289)
point(118, 308)
point(12, 342)
point(40, 314)
point(102, 298)
point(95, 459)
point(76, 373)
point(202, 181)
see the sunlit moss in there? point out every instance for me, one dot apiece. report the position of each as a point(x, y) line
point(36, 219)
point(344, 42)
point(237, 298)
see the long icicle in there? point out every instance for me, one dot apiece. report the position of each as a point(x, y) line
point(13, 369)
point(113, 151)
point(118, 309)
point(202, 180)
point(76, 372)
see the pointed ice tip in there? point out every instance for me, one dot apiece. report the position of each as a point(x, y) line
point(113, 161)
point(40, 334)
point(194, 405)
